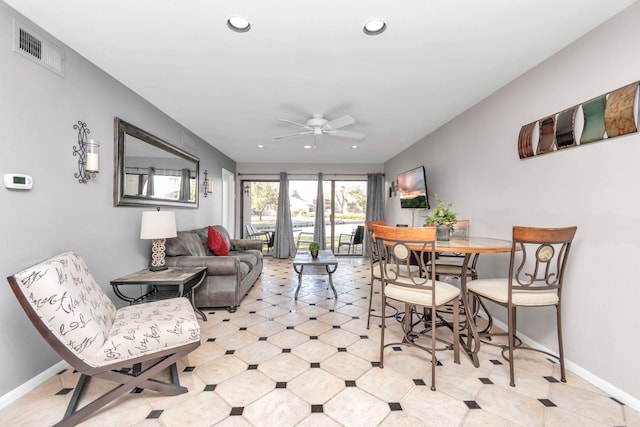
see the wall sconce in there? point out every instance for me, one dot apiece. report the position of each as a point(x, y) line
point(247, 189)
point(88, 152)
point(207, 184)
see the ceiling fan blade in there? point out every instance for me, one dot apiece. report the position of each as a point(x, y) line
point(293, 134)
point(346, 134)
point(295, 123)
point(340, 122)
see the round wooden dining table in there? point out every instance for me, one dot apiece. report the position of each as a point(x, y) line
point(470, 246)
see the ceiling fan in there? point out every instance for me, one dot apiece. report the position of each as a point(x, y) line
point(317, 125)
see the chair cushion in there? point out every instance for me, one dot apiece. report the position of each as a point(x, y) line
point(146, 328)
point(71, 303)
point(377, 274)
point(445, 292)
point(248, 257)
point(497, 289)
point(217, 244)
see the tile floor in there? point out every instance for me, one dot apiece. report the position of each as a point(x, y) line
point(312, 362)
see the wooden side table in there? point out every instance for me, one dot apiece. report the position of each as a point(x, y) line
point(169, 283)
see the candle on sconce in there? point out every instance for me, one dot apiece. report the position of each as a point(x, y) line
point(93, 156)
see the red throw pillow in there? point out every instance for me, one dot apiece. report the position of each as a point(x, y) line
point(217, 244)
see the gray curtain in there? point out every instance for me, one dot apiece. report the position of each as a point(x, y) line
point(185, 184)
point(375, 201)
point(375, 197)
point(283, 245)
point(150, 178)
point(319, 234)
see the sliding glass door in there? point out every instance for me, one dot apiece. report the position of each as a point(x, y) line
point(344, 210)
point(349, 202)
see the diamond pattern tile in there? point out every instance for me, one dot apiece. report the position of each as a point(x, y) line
point(270, 363)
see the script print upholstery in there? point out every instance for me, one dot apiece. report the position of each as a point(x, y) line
point(77, 311)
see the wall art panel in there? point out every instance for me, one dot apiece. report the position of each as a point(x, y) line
point(618, 113)
point(525, 140)
point(565, 135)
point(593, 112)
point(547, 140)
point(604, 117)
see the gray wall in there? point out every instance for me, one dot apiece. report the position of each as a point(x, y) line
point(473, 162)
point(37, 111)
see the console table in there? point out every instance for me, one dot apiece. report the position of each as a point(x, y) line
point(169, 283)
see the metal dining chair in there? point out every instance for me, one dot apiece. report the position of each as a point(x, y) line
point(264, 236)
point(374, 262)
point(399, 248)
point(353, 239)
point(375, 273)
point(536, 276)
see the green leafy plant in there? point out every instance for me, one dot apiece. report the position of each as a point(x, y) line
point(314, 246)
point(442, 214)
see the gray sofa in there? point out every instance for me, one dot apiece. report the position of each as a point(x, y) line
point(229, 278)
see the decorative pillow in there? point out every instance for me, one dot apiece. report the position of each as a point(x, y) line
point(217, 243)
point(225, 235)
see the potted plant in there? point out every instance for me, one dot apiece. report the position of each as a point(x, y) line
point(443, 218)
point(314, 247)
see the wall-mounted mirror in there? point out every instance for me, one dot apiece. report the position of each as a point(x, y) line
point(150, 171)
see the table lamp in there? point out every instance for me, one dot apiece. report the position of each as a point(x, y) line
point(158, 226)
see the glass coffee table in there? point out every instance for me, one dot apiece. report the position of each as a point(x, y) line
point(325, 259)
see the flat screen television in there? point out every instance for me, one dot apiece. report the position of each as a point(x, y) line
point(412, 185)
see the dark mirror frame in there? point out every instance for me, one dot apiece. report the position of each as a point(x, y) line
point(122, 128)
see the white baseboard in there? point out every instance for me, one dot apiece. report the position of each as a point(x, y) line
point(610, 389)
point(20, 391)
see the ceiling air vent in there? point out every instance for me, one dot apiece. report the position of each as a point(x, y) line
point(37, 48)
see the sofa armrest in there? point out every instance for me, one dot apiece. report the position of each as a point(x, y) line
point(216, 265)
point(244, 244)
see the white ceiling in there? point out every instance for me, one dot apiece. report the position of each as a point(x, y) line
point(436, 59)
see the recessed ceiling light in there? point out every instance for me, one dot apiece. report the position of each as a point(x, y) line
point(260, 146)
point(354, 146)
point(238, 24)
point(374, 27)
point(308, 146)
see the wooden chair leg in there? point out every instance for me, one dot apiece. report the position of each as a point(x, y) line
point(144, 380)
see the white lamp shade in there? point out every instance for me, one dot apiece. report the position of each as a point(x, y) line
point(158, 225)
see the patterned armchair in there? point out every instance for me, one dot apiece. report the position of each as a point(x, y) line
point(79, 321)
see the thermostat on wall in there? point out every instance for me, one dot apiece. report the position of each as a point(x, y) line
point(18, 181)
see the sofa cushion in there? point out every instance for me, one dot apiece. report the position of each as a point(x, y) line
point(217, 244)
point(244, 269)
point(246, 257)
point(185, 244)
